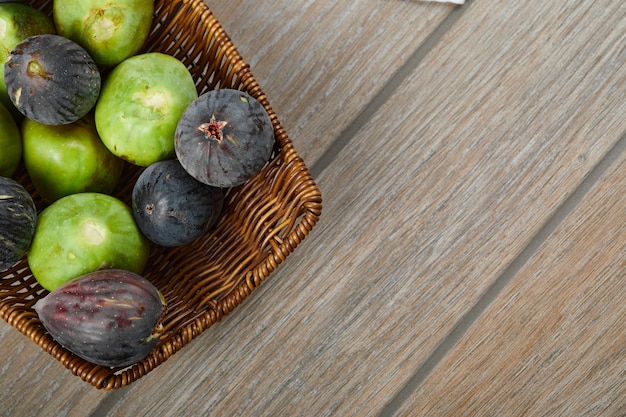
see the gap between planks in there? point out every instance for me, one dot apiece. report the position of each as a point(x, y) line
point(396, 80)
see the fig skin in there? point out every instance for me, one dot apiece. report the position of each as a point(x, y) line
point(139, 106)
point(110, 30)
point(18, 217)
point(51, 79)
point(19, 21)
point(171, 208)
point(224, 138)
point(109, 317)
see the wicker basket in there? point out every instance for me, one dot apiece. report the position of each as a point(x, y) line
point(265, 219)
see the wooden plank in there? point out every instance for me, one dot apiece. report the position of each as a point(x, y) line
point(299, 63)
point(321, 62)
point(34, 384)
point(424, 209)
point(554, 341)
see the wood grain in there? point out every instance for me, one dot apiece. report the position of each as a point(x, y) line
point(554, 342)
point(424, 209)
point(34, 384)
point(321, 62)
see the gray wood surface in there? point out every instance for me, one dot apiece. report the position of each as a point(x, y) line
point(469, 259)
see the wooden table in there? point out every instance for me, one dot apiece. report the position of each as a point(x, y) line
point(470, 259)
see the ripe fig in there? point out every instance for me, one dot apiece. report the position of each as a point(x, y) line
point(18, 217)
point(224, 138)
point(18, 21)
point(109, 317)
point(51, 79)
point(171, 208)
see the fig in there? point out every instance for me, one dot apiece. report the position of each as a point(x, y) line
point(17, 22)
point(141, 101)
point(109, 317)
point(68, 159)
point(10, 143)
point(51, 79)
point(171, 208)
point(18, 217)
point(82, 233)
point(110, 30)
point(224, 138)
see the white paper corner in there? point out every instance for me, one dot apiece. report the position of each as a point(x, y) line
point(449, 1)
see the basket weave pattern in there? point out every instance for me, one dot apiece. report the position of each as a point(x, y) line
point(263, 222)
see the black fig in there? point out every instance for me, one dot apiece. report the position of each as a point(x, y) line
point(52, 80)
point(109, 317)
point(18, 217)
point(172, 208)
point(224, 138)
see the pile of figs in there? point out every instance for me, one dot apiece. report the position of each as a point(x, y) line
point(77, 82)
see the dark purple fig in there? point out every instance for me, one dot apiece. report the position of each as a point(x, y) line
point(109, 317)
point(52, 80)
point(171, 208)
point(18, 21)
point(224, 138)
point(18, 217)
